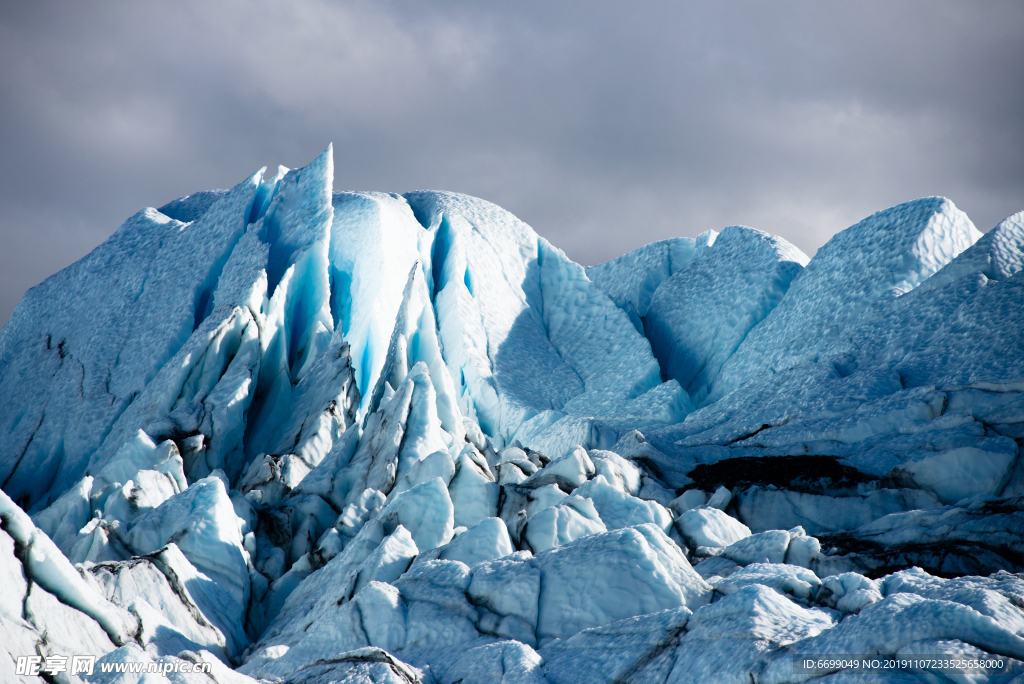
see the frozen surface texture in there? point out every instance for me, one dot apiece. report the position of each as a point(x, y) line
point(317, 437)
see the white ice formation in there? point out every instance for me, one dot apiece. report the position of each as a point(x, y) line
point(321, 437)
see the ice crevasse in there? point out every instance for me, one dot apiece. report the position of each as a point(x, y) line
point(323, 436)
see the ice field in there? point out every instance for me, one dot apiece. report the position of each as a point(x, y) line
point(318, 437)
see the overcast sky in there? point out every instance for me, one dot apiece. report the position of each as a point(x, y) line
point(604, 125)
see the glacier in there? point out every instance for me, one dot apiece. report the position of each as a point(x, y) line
point(310, 436)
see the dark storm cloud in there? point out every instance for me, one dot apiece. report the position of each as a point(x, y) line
point(604, 125)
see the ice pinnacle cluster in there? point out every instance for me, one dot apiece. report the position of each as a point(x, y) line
point(314, 437)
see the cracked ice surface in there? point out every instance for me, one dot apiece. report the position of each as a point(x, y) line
point(364, 437)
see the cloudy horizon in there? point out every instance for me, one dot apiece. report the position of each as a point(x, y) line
point(603, 128)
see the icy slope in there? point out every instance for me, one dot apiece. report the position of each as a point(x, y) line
point(632, 279)
point(311, 436)
point(700, 315)
point(541, 337)
point(856, 273)
point(85, 343)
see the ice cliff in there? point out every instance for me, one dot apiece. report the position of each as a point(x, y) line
point(365, 437)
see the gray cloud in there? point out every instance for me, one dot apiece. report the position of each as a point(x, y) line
point(603, 126)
